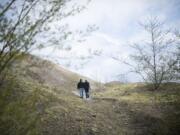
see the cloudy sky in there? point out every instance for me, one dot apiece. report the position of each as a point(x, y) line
point(117, 22)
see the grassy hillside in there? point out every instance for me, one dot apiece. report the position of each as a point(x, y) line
point(37, 99)
point(146, 111)
point(34, 69)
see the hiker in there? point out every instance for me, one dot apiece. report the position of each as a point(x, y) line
point(86, 87)
point(80, 86)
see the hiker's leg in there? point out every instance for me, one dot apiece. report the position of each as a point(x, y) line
point(86, 94)
point(81, 93)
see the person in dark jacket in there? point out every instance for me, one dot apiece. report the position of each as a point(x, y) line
point(80, 87)
point(86, 87)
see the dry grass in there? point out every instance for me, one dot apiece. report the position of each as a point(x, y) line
point(34, 101)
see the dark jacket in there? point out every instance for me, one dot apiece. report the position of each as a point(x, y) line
point(80, 85)
point(86, 86)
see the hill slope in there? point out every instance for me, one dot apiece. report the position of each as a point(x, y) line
point(47, 73)
point(37, 98)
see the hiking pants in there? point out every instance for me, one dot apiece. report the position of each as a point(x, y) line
point(81, 90)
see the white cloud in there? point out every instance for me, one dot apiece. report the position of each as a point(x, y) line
point(118, 25)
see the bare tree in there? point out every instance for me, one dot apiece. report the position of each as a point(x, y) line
point(22, 21)
point(153, 59)
point(176, 68)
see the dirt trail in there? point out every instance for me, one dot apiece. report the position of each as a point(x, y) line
point(109, 116)
point(120, 118)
